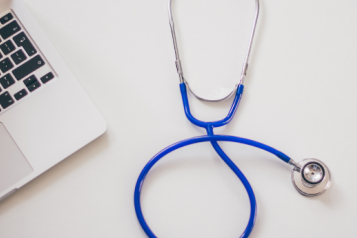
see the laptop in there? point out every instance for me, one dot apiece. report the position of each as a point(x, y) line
point(45, 115)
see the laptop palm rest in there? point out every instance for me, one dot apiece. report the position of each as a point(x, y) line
point(13, 164)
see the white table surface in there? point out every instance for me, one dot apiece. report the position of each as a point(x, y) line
point(300, 98)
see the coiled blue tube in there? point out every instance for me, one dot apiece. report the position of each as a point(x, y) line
point(210, 137)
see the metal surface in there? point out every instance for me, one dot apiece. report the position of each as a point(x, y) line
point(313, 179)
point(178, 60)
point(312, 173)
point(55, 126)
point(297, 167)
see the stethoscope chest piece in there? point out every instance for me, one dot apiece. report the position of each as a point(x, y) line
point(313, 177)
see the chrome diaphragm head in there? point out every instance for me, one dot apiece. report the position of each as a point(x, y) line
point(311, 177)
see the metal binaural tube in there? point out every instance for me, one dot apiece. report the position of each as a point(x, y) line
point(177, 54)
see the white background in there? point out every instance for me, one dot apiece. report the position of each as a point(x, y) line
point(300, 98)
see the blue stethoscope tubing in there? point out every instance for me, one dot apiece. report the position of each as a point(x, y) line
point(213, 139)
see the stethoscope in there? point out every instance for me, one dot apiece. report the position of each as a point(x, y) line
point(310, 177)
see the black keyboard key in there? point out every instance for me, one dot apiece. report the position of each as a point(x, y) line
point(18, 57)
point(22, 40)
point(6, 18)
point(6, 65)
point(7, 47)
point(6, 100)
point(20, 94)
point(6, 81)
point(30, 80)
point(32, 83)
point(47, 77)
point(28, 67)
point(9, 30)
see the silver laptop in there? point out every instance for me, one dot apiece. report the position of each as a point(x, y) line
point(45, 115)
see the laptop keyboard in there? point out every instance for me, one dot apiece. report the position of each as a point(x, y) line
point(23, 69)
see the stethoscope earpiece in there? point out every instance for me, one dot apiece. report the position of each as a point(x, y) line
point(311, 177)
